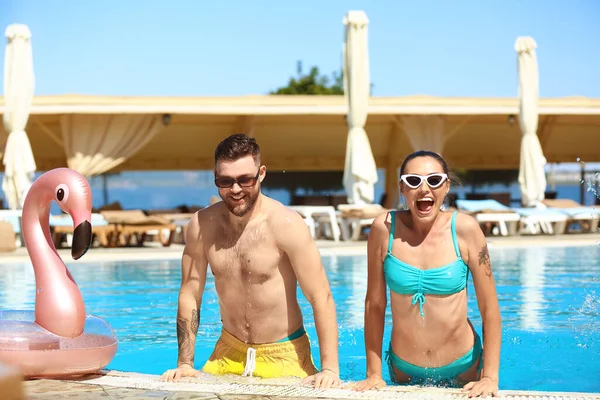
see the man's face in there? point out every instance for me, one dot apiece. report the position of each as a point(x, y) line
point(239, 183)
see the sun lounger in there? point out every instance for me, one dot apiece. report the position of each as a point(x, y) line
point(134, 224)
point(576, 213)
point(542, 220)
point(8, 240)
point(61, 227)
point(355, 218)
point(491, 211)
point(181, 221)
point(323, 215)
point(13, 217)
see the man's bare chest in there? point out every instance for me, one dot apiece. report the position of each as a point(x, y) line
point(251, 253)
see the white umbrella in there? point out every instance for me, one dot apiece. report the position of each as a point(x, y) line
point(360, 171)
point(19, 165)
point(532, 176)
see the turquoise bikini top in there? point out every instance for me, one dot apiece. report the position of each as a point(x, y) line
point(403, 278)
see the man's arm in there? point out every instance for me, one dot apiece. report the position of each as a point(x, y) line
point(193, 280)
point(480, 266)
point(294, 239)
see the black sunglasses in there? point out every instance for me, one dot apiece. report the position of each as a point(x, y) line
point(243, 181)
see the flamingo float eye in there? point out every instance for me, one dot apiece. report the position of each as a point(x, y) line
point(62, 193)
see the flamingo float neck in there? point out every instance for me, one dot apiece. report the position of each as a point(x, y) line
point(59, 306)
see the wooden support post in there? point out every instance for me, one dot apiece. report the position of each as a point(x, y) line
point(245, 124)
point(393, 161)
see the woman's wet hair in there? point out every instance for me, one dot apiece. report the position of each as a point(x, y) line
point(426, 153)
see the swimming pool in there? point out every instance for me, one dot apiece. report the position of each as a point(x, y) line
point(549, 300)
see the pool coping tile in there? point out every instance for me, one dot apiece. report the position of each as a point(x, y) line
point(128, 385)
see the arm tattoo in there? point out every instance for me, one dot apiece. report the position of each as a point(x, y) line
point(484, 259)
point(186, 337)
point(195, 321)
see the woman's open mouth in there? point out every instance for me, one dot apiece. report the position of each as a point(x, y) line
point(425, 205)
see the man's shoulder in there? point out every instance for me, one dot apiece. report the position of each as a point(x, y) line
point(206, 216)
point(278, 212)
point(281, 219)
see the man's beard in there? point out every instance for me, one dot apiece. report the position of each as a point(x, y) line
point(239, 210)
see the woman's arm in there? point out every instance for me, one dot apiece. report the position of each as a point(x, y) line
point(480, 266)
point(375, 303)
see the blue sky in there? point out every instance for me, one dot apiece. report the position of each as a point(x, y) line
point(202, 48)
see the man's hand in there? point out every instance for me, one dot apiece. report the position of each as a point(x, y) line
point(323, 380)
point(482, 388)
point(372, 382)
point(184, 370)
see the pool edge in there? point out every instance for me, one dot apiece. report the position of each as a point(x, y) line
point(139, 384)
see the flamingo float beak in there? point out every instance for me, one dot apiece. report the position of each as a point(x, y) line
point(82, 239)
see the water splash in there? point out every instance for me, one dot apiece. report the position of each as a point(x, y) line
point(590, 183)
point(589, 312)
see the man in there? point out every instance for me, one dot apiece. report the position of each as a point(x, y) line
point(258, 251)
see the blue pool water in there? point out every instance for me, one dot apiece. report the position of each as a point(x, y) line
point(549, 300)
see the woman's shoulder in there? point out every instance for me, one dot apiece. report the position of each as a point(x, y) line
point(387, 216)
point(465, 224)
point(384, 221)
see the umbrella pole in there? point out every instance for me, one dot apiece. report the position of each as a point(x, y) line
point(105, 188)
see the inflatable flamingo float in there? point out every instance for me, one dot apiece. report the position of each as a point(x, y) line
point(58, 338)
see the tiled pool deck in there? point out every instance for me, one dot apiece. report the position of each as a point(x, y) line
point(124, 385)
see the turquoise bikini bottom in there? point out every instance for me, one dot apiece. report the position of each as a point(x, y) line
point(447, 372)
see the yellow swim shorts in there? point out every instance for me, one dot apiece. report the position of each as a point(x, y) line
point(271, 360)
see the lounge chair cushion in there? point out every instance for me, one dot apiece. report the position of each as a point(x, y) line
point(133, 217)
point(363, 212)
point(63, 220)
point(7, 237)
point(561, 203)
point(483, 206)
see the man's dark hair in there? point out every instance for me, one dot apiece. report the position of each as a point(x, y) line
point(237, 146)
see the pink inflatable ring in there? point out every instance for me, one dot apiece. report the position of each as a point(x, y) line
point(58, 339)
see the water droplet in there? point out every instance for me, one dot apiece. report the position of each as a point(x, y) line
point(39, 290)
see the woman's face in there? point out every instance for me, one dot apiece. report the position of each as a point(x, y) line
point(424, 185)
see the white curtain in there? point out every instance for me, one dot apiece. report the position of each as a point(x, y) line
point(425, 132)
point(96, 143)
point(19, 84)
point(360, 171)
point(532, 175)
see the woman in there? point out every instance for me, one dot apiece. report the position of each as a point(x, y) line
point(425, 255)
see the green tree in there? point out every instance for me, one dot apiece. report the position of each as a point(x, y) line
point(312, 83)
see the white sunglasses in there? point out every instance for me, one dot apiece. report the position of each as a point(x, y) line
point(433, 180)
